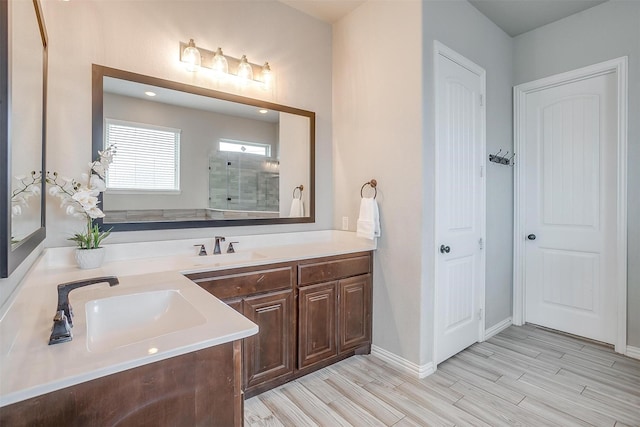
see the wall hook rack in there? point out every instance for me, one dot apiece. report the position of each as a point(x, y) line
point(502, 160)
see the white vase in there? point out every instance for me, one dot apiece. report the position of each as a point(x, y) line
point(90, 258)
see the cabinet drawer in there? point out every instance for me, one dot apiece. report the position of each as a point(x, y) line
point(328, 270)
point(245, 282)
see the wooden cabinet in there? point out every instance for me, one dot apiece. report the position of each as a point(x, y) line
point(317, 323)
point(334, 316)
point(315, 312)
point(354, 312)
point(201, 388)
point(265, 295)
point(270, 353)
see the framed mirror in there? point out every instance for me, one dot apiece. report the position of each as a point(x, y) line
point(191, 157)
point(23, 89)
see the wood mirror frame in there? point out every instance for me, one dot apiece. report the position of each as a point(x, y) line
point(100, 72)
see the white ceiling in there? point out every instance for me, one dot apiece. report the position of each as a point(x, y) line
point(513, 16)
point(328, 11)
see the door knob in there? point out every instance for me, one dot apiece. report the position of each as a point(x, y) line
point(444, 249)
point(531, 237)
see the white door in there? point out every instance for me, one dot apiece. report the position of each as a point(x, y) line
point(570, 207)
point(460, 203)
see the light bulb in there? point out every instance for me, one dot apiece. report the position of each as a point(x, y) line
point(245, 71)
point(219, 64)
point(191, 56)
point(266, 75)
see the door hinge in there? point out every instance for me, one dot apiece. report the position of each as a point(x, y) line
point(481, 100)
point(481, 243)
point(480, 314)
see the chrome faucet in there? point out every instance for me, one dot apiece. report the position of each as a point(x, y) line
point(65, 288)
point(216, 247)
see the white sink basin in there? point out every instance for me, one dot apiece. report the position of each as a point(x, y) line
point(223, 259)
point(127, 319)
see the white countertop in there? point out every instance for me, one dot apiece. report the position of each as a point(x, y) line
point(30, 367)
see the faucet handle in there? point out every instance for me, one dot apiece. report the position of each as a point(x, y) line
point(230, 248)
point(203, 251)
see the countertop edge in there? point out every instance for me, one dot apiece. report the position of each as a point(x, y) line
point(142, 267)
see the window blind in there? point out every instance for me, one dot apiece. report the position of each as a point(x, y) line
point(147, 157)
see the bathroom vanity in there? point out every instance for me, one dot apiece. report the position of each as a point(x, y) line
point(311, 313)
point(281, 307)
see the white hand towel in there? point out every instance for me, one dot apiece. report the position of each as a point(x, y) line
point(369, 219)
point(297, 208)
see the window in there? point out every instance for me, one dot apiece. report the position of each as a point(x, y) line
point(147, 157)
point(245, 147)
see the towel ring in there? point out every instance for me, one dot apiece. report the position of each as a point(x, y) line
point(373, 184)
point(300, 187)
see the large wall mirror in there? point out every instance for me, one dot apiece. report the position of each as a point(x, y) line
point(187, 156)
point(23, 87)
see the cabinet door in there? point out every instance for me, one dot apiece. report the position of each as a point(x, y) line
point(269, 353)
point(316, 323)
point(354, 307)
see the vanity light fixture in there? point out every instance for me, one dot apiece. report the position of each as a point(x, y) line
point(266, 75)
point(191, 56)
point(220, 64)
point(225, 66)
point(263, 111)
point(149, 93)
point(245, 71)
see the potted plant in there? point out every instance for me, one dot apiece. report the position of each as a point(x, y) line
point(80, 198)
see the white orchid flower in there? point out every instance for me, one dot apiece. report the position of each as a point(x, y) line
point(16, 210)
point(95, 213)
point(21, 177)
point(54, 190)
point(99, 168)
point(97, 184)
point(71, 210)
point(86, 199)
point(35, 190)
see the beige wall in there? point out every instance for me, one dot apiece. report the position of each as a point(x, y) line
point(143, 36)
point(384, 129)
point(377, 122)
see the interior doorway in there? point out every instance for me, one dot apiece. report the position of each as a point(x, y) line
point(570, 203)
point(460, 202)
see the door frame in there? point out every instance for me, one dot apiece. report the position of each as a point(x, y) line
point(440, 49)
point(520, 92)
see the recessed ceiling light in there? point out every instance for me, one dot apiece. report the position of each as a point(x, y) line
point(263, 111)
point(149, 93)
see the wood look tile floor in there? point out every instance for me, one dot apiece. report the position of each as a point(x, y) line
point(524, 376)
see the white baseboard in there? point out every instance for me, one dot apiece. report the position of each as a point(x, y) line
point(420, 371)
point(497, 328)
point(633, 352)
